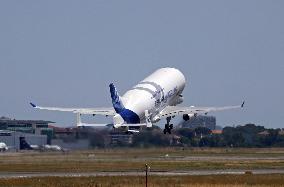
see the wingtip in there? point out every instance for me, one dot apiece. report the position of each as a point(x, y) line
point(111, 84)
point(243, 104)
point(33, 105)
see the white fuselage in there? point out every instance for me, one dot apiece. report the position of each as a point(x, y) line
point(162, 88)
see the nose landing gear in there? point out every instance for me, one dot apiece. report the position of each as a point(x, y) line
point(168, 127)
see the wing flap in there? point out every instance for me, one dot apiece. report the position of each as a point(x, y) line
point(175, 110)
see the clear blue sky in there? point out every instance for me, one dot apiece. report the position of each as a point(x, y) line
point(65, 53)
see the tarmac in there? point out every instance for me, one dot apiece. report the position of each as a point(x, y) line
point(139, 173)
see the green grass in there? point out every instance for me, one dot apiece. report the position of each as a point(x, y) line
point(134, 160)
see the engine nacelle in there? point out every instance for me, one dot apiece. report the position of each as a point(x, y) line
point(117, 121)
point(186, 117)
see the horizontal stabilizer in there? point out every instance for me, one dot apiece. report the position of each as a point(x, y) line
point(91, 125)
point(133, 125)
point(133, 131)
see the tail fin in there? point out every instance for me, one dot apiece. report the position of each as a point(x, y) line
point(24, 144)
point(116, 101)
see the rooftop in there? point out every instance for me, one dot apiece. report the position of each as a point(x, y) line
point(9, 120)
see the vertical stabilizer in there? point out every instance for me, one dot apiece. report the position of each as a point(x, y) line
point(116, 101)
point(24, 144)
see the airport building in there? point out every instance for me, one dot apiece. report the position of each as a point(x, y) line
point(117, 138)
point(200, 121)
point(70, 138)
point(12, 139)
point(36, 127)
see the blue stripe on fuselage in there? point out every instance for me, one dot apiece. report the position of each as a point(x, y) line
point(129, 116)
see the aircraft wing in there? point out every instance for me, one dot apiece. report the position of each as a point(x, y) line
point(176, 110)
point(95, 111)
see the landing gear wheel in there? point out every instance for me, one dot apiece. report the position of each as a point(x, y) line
point(167, 126)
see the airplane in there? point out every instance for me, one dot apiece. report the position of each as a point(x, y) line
point(24, 145)
point(154, 98)
point(3, 147)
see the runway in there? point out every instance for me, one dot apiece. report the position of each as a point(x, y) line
point(139, 173)
point(163, 162)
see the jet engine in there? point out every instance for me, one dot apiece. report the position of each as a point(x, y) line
point(186, 117)
point(117, 121)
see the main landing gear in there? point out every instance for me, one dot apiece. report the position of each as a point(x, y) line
point(168, 126)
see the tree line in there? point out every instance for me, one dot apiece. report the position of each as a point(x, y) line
point(249, 135)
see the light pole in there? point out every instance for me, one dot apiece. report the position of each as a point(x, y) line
point(146, 176)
